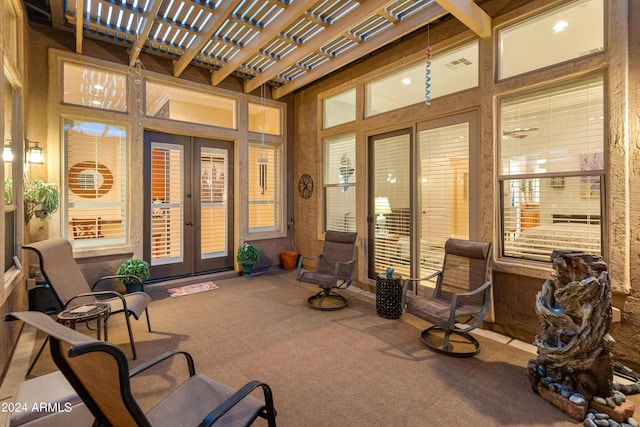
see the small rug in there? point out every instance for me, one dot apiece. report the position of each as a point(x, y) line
point(191, 289)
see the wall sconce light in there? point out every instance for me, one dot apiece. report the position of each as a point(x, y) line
point(7, 154)
point(34, 154)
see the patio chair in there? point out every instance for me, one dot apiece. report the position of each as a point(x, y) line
point(459, 302)
point(98, 371)
point(71, 288)
point(334, 270)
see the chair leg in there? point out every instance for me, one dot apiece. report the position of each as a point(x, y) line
point(146, 312)
point(450, 343)
point(44, 344)
point(133, 346)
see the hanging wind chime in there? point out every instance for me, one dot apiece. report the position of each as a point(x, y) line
point(427, 88)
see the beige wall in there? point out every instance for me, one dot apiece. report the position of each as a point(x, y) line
point(515, 283)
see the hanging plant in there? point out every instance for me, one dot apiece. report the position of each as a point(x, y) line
point(40, 199)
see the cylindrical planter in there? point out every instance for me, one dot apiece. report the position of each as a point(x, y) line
point(289, 260)
point(247, 269)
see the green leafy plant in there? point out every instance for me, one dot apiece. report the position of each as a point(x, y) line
point(40, 199)
point(247, 254)
point(8, 191)
point(133, 267)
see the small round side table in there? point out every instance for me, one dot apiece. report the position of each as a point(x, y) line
point(84, 313)
point(389, 296)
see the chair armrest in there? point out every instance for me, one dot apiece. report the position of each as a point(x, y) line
point(299, 267)
point(480, 315)
point(122, 276)
point(161, 358)
point(405, 287)
point(476, 291)
point(234, 399)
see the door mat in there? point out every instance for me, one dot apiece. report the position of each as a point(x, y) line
point(191, 289)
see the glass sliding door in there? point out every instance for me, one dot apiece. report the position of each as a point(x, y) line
point(445, 187)
point(390, 200)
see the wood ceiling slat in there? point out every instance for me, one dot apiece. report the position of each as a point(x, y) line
point(285, 42)
point(410, 24)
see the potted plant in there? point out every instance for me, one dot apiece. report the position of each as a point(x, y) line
point(40, 199)
point(247, 256)
point(132, 273)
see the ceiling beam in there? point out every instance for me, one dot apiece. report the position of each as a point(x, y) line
point(287, 17)
point(415, 21)
point(361, 12)
point(224, 10)
point(141, 38)
point(470, 14)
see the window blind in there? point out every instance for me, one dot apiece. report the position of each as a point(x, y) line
point(444, 191)
point(553, 170)
point(167, 240)
point(213, 203)
point(340, 183)
point(95, 183)
point(264, 187)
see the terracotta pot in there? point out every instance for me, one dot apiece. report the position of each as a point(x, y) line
point(289, 260)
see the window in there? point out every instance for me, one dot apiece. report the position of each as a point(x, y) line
point(340, 183)
point(265, 189)
point(95, 183)
point(11, 174)
point(189, 105)
point(94, 87)
point(265, 119)
point(552, 170)
point(451, 71)
point(560, 35)
point(339, 109)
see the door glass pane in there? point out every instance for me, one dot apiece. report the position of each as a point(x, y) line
point(392, 191)
point(444, 191)
point(213, 202)
point(167, 240)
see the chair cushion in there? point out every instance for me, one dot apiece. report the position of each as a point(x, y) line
point(190, 402)
point(323, 280)
point(49, 400)
point(136, 303)
point(436, 311)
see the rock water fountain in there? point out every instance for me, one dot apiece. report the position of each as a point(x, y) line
point(574, 369)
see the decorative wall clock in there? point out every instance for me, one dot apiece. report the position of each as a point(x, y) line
point(305, 186)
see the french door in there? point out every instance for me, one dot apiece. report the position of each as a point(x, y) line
point(188, 205)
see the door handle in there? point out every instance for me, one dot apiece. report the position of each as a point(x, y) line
point(188, 223)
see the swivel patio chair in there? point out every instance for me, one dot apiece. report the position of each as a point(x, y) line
point(334, 270)
point(98, 371)
point(70, 287)
point(459, 302)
